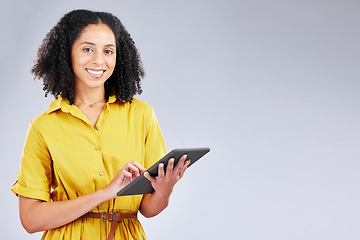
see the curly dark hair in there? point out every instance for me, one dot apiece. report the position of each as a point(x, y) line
point(53, 63)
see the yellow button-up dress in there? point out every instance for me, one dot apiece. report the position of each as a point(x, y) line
point(65, 157)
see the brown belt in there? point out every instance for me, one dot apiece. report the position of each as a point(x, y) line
point(115, 218)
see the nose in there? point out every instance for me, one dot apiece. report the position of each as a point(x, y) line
point(98, 58)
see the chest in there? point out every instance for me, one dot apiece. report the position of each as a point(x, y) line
point(79, 149)
point(92, 113)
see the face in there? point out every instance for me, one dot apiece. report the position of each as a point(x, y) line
point(93, 57)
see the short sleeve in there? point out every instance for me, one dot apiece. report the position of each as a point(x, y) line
point(35, 173)
point(155, 147)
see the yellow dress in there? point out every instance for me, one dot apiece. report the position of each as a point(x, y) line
point(65, 157)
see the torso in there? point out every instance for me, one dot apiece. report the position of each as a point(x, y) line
point(75, 160)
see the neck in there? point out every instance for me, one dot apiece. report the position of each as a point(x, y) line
point(89, 95)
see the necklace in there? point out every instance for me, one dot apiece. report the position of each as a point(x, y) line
point(89, 104)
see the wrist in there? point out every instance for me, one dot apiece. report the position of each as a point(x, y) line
point(162, 196)
point(105, 195)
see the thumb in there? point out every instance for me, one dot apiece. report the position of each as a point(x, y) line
point(148, 177)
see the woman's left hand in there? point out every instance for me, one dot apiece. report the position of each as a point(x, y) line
point(165, 182)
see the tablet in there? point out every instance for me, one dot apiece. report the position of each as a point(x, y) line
point(141, 185)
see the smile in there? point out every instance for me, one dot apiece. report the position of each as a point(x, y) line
point(95, 73)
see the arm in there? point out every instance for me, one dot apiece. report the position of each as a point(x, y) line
point(37, 215)
point(153, 204)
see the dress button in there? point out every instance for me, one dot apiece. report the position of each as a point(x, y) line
point(97, 128)
point(97, 148)
point(101, 173)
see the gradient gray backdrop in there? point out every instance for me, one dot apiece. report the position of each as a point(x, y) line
point(272, 87)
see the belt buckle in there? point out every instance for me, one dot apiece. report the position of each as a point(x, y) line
point(106, 219)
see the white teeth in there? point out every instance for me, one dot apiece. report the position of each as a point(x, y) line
point(95, 72)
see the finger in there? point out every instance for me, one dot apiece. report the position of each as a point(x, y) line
point(149, 177)
point(184, 168)
point(139, 166)
point(180, 164)
point(126, 175)
point(170, 167)
point(161, 173)
point(130, 167)
point(129, 171)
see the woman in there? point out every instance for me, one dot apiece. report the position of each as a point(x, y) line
point(94, 139)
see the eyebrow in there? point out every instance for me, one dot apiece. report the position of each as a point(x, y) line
point(93, 44)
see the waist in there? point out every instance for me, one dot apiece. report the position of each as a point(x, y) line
point(114, 217)
point(110, 216)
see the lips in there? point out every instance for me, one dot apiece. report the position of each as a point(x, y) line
point(95, 72)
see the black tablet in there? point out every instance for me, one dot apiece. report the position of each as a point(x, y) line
point(143, 186)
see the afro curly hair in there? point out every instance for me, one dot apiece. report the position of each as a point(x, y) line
point(53, 63)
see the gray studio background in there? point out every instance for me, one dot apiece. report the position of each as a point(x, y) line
point(272, 87)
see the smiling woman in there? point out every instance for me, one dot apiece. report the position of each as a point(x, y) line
point(93, 58)
point(94, 139)
point(96, 35)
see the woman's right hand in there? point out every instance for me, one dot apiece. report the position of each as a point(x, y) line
point(125, 176)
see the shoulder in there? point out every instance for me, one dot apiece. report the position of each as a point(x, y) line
point(140, 105)
point(137, 109)
point(41, 121)
point(48, 117)
point(136, 106)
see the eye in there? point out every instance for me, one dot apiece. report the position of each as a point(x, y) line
point(109, 52)
point(87, 49)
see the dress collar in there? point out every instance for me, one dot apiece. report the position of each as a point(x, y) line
point(64, 105)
